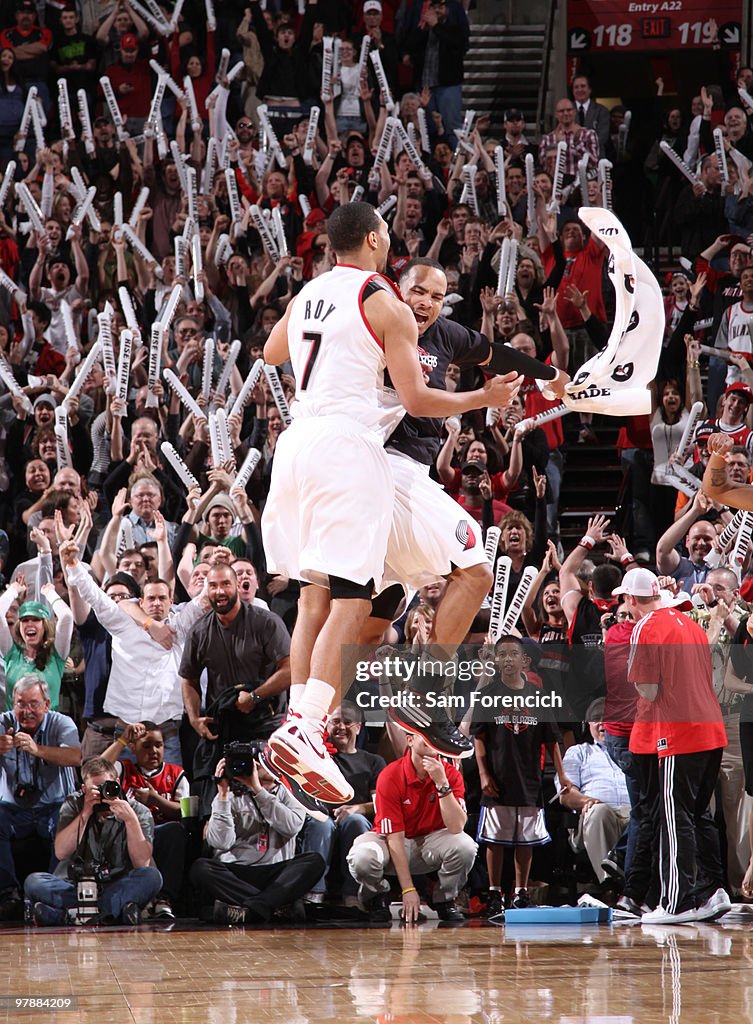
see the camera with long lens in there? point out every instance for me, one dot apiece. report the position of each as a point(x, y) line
point(88, 876)
point(110, 790)
point(240, 758)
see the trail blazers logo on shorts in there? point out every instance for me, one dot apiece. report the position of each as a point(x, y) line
point(465, 535)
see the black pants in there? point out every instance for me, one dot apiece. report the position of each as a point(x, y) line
point(260, 888)
point(642, 882)
point(170, 856)
point(689, 862)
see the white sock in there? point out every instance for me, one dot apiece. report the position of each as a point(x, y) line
point(296, 692)
point(316, 700)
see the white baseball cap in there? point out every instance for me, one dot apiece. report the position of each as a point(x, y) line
point(372, 7)
point(638, 583)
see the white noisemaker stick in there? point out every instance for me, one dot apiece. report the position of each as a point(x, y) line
point(214, 440)
point(411, 150)
point(104, 335)
point(64, 111)
point(211, 19)
point(181, 469)
point(308, 146)
point(138, 246)
point(233, 199)
point(530, 195)
point(198, 266)
point(499, 167)
point(138, 206)
point(62, 448)
point(207, 178)
point(185, 396)
point(248, 465)
point(499, 596)
point(556, 413)
point(87, 135)
point(223, 435)
point(23, 128)
point(389, 203)
point(272, 140)
point(376, 59)
point(223, 65)
point(357, 194)
point(12, 288)
point(69, 329)
point(159, 24)
point(227, 369)
point(254, 374)
point(192, 104)
point(504, 263)
point(364, 56)
point(383, 148)
point(84, 370)
point(519, 597)
point(605, 183)
point(275, 386)
point(124, 367)
point(336, 66)
point(82, 211)
point(583, 179)
point(112, 106)
point(279, 231)
point(559, 172)
point(679, 163)
point(492, 543)
point(36, 120)
point(512, 266)
point(468, 195)
point(6, 375)
point(30, 205)
point(169, 81)
point(153, 117)
point(265, 234)
point(175, 17)
point(168, 313)
point(117, 213)
point(688, 435)
point(155, 362)
point(192, 193)
point(125, 540)
point(206, 374)
point(223, 251)
point(721, 155)
point(741, 545)
point(126, 304)
point(10, 171)
point(423, 130)
point(328, 60)
point(729, 532)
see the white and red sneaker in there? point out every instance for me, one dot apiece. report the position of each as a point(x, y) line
point(299, 751)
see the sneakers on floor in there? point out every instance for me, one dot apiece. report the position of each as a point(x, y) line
point(299, 751)
point(661, 916)
point(449, 912)
point(629, 906)
point(314, 897)
point(228, 913)
point(162, 908)
point(494, 903)
point(520, 900)
point(612, 866)
point(131, 914)
point(442, 735)
point(715, 906)
point(378, 908)
point(48, 917)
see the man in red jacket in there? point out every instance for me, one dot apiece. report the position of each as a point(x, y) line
point(132, 83)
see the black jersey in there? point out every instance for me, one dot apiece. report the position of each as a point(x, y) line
point(443, 343)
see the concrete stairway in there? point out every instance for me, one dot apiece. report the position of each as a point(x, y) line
point(503, 69)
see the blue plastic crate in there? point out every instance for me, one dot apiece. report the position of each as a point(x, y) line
point(559, 915)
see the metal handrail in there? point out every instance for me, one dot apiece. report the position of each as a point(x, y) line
point(544, 83)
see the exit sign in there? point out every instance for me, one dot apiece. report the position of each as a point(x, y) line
point(656, 28)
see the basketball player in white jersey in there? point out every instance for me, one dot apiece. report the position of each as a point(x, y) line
point(329, 510)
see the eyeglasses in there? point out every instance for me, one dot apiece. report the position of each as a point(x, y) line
point(245, 124)
point(32, 705)
point(118, 597)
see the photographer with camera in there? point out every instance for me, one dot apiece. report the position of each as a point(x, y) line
point(104, 843)
point(252, 830)
point(39, 749)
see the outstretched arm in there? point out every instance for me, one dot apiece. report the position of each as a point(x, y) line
point(570, 589)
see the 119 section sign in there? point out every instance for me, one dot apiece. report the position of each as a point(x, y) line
point(597, 26)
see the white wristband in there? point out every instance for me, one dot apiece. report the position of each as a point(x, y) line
point(587, 541)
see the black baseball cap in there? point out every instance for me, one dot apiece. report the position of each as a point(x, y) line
point(513, 114)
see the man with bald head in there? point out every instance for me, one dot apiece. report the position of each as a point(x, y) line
point(698, 536)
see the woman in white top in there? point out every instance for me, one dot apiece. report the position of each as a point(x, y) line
point(349, 115)
point(668, 421)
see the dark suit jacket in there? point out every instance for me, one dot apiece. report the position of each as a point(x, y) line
point(597, 118)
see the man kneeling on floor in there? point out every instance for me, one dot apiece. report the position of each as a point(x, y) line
point(252, 830)
point(418, 828)
point(104, 843)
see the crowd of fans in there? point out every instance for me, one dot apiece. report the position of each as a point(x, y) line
point(140, 633)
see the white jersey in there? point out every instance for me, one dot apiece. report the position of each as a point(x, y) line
point(338, 361)
point(735, 334)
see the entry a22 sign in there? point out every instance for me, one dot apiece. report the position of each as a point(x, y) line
point(639, 25)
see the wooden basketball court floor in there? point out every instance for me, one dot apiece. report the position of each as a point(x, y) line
point(477, 974)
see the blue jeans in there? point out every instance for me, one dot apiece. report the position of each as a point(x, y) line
point(618, 750)
point(327, 838)
point(22, 823)
point(448, 100)
point(138, 886)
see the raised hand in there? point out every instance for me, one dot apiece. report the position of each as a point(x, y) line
point(720, 444)
point(598, 528)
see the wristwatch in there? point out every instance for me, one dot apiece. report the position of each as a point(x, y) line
point(256, 698)
point(444, 790)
